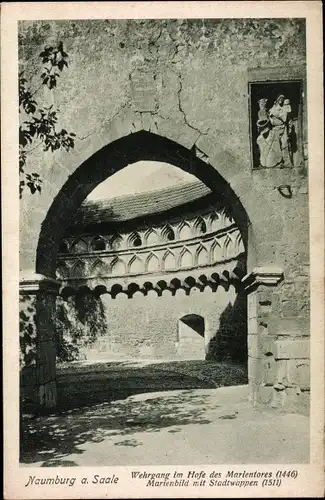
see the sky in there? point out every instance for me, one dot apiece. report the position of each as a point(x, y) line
point(142, 176)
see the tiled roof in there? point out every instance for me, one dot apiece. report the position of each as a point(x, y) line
point(130, 207)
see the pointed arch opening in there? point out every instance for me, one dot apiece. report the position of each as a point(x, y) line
point(202, 256)
point(79, 245)
point(185, 258)
point(228, 247)
point(169, 261)
point(63, 271)
point(135, 265)
point(185, 231)
point(152, 263)
point(116, 242)
point(168, 233)
point(97, 244)
point(152, 237)
point(134, 240)
point(141, 145)
point(214, 221)
point(118, 267)
point(239, 243)
point(98, 269)
point(78, 270)
point(106, 162)
point(216, 252)
point(200, 226)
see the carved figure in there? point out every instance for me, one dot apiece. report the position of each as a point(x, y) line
point(274, 128)
point(262, 114)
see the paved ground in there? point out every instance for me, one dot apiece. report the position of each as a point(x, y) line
point(192, 426)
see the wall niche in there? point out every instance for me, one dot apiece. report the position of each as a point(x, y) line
point(276, 112)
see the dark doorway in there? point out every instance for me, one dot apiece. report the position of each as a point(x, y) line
point(190, 337)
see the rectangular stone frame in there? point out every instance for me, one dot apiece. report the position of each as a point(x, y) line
point(279, 75)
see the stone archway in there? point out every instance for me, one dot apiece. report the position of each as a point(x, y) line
point(110, 159)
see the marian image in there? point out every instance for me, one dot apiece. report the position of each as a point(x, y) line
point(277, 130)
point(275, 140)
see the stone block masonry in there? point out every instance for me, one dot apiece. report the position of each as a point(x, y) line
point(153, 327)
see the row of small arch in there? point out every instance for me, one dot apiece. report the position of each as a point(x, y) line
point(232, 247)
point(153, 236)
point(186, 286)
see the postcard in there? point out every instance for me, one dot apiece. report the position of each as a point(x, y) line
point(163, 238)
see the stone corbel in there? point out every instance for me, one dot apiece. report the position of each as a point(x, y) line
point(32, 283)
point(268, 276)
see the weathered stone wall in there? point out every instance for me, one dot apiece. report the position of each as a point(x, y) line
point(147, 327)
point(278, 354)
point(186, 81)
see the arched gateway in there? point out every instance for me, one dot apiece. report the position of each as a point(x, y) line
point(101, 165)
point(203, 120)
point(110, 159)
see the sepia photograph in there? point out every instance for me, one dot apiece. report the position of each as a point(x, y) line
point(164, 252)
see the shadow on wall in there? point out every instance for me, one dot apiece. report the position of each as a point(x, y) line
point(80, 320)
point(27, 331)
point(230, 341)
point(194, 322)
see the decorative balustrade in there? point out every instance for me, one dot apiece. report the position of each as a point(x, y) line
point(198, 252)
point(156, 235)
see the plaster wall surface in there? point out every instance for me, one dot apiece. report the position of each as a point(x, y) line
point(148, 327)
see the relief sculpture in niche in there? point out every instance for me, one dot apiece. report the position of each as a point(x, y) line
point(276, 124)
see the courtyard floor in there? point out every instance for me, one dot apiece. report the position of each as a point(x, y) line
point(189, 421)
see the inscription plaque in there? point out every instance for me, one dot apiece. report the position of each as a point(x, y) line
point(144, 91)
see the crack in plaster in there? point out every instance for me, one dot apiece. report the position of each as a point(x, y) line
point(118, 111)
point(182, 110)
point(109, 121)
point(86, 136)
point(154, 113)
